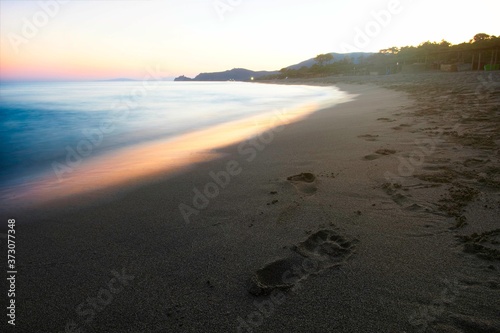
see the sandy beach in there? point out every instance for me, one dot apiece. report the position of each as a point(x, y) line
point(377, 215)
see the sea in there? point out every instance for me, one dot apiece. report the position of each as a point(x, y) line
point(59, 138)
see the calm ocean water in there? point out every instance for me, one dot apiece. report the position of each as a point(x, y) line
point(43, 122)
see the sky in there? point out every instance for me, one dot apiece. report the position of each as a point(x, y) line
point(86, 40)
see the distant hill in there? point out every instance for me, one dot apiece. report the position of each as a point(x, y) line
point(183, 78)
point(354, 56)
point(235, 74)
point(242, 74)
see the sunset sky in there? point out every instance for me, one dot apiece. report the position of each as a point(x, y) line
point(53, 39)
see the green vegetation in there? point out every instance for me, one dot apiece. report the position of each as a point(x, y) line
point(482, 50)
point(321, 59)
point(316, 70)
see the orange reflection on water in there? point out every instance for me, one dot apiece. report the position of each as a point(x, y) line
point(154, 158)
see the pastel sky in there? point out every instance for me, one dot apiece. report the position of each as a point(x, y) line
point(53, 39)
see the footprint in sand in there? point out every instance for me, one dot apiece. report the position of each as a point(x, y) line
point(379, 153)
point(393, 190)
point(368, 137)
point(327, 247)
point(304, 182)
point(385, 151)
point(463, 323)
point(386, 119)
point(321, 250)
point(485, 245)
point(275, 275)
point(371, 157)
point(474, 162)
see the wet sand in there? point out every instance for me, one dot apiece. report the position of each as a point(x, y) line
point(376, 215)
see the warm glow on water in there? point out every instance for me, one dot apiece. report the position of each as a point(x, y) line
point(157, 157)
point(145, 144)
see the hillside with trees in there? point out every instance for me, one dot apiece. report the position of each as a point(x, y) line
point(479, 53)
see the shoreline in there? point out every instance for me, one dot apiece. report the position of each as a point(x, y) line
point(140, 163)
point(401, 265)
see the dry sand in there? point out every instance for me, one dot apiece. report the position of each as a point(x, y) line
point(377, 215)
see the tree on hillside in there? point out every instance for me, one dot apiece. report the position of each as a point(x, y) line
point(483, 41)
point(444, 44)
point(480, 37)
point(321, 59)
point(391, 50)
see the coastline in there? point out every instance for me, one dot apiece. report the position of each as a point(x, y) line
point(401, 266)
point(81, 174)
